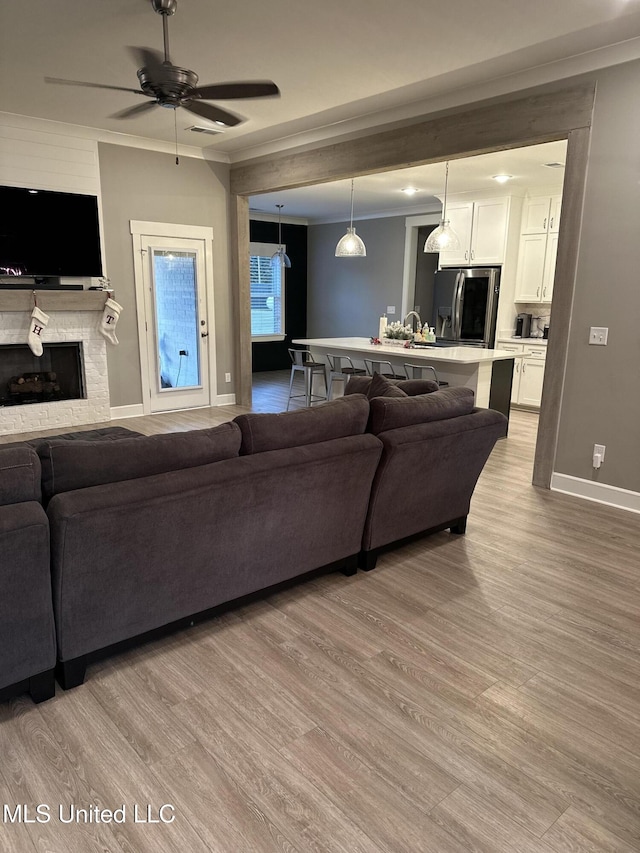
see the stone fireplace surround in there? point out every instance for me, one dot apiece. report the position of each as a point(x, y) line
point(74, 317)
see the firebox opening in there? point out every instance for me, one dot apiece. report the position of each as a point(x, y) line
point(56, 375)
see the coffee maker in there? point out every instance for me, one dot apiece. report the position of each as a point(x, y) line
point(523, 326)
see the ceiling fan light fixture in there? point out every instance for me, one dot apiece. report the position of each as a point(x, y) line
point(443, 237)
point(350, 245)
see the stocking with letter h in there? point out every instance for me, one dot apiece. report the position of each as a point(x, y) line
point(38, 322)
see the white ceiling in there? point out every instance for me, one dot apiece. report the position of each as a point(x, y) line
point(380, 195)
point(335, 62)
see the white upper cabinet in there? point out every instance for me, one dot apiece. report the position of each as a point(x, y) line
point(541, 214)
point(460, 218)
point(554, 214)
point(538, 249)
point(482, 228)
point(549, 273)
point(535, 215)
point(530, 269)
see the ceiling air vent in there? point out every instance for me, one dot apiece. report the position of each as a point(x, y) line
point(554, 165)
point(198, 128)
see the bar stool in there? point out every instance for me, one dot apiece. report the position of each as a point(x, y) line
point(416, 371)
point(341, 368)
point(373, 366)
point(303, 362)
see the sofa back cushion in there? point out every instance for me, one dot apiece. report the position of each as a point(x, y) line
point(19, 475)
point(339, 418)
point(411, 387)
point(69, 465)
point(391, 413)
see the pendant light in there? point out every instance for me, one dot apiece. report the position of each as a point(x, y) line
point(443, 237)
point(351, 246)
point(280, 257)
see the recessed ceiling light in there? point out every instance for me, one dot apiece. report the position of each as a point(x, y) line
point(502, 179)
point(555, 165)
point(410, 190)
point(33, 192)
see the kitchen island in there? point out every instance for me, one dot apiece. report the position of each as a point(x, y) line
point(488, 372)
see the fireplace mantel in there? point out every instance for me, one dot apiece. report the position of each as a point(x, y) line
point(53, 300)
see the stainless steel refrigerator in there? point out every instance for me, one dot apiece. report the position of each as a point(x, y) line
point(465, 305)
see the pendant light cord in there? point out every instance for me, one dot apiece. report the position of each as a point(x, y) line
point(279, 206)
point(351, 216)
point(446, 184)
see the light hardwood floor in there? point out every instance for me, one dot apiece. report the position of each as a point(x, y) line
point(475, 693)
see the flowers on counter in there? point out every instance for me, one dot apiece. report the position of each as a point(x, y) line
point(399, 332)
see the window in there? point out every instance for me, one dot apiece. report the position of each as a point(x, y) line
point(267, 294)
point(267, 314)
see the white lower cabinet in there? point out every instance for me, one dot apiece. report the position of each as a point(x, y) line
point(528, 372)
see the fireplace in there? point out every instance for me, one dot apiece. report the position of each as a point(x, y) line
point(74, 320)
point(56, 375)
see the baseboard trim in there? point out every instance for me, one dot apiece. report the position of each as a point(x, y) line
point(133, 411)
point(225, 400)
point(598, 492)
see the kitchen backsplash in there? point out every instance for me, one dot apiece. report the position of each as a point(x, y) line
point(539, 317)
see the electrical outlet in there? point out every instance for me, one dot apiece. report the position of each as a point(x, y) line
point(391, 309)
point(598, 335)
point(227, 377)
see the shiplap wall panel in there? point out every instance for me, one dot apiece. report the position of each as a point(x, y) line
point(46, 160)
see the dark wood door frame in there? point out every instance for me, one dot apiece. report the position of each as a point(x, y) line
point(530, 119)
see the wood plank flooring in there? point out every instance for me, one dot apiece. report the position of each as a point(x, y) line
point(475, 693)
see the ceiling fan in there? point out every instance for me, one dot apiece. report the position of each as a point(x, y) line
point(167, 85)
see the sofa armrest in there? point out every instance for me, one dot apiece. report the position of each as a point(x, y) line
point(27, 638)
point(427, 474)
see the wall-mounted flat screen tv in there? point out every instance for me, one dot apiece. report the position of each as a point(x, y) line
point(46, 234)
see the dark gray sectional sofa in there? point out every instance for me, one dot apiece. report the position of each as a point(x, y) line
point(152, 532)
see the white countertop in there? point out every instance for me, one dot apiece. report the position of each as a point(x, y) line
point(459, 355)
point(508, 339)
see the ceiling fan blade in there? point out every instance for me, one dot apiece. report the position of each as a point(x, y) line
point(132, 112)
point(246, 89)
point(212, 113)
point(152, 60)
point(91, 85)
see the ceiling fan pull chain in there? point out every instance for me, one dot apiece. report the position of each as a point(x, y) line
point(175, 127)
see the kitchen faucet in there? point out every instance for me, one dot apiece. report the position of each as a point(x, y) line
point(415, 314)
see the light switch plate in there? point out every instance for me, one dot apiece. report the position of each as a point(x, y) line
point(391, 309)
point(598, 335)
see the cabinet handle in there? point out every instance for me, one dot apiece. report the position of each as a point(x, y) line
point(524, 366)
point(473, 254)
point(544, 224)
point(537, 292)
point(517, 368)
point(544, 292)
point(466, 256)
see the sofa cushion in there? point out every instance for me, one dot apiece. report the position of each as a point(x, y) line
point(380, 386)
point(69, 465)
point(19, 475)
point(388, 413)
point(411, 387)
point(339, 418)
